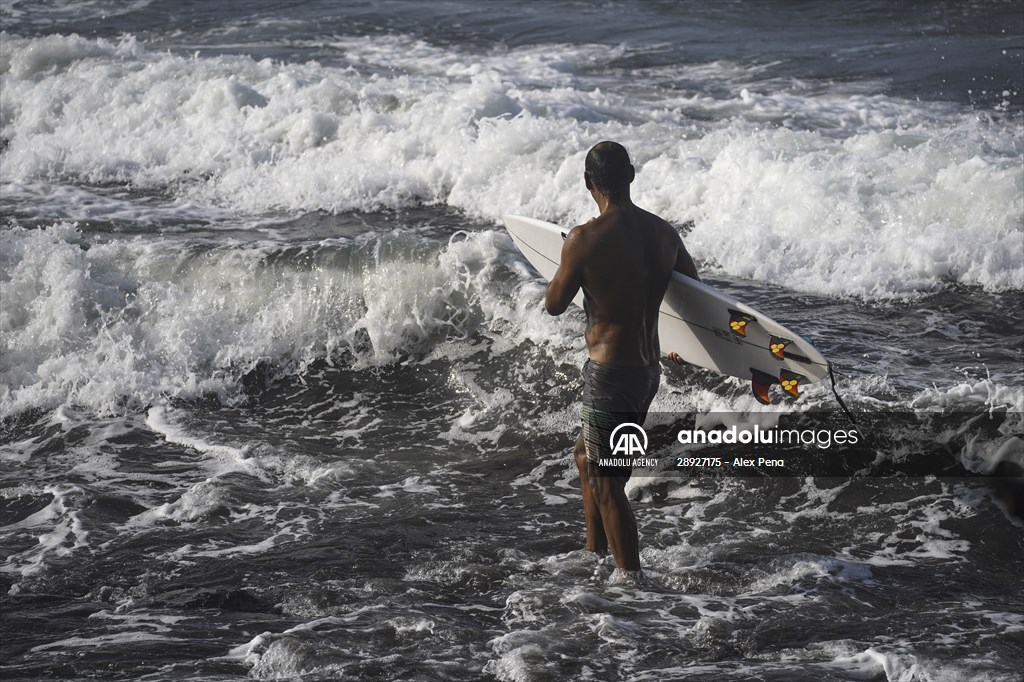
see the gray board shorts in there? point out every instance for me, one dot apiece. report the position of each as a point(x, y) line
point(614, 395)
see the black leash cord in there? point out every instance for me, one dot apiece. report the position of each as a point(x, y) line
point(832, 376)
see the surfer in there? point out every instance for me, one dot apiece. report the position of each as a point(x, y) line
point(623, 260)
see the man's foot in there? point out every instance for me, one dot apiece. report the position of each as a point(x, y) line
point(629, 578)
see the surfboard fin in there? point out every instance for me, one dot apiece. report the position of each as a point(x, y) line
point(777, 345)
point(759, 384)
point(738, 321)
point(791, 382)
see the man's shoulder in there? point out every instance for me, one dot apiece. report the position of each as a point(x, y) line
point(599, 224)
point(589, 225)
point(581, 233)
point(656, 220)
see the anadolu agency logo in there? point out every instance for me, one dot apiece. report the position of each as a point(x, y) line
point(628, 439)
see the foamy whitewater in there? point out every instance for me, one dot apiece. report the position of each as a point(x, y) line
point(279, 398)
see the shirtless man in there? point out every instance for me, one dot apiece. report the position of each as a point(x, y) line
point(623, 260)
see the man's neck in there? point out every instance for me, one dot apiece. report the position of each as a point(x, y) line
point(620, 204)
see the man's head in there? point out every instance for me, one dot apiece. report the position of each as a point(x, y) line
point(608, 171)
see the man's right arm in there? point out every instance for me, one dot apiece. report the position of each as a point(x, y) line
point(568, 277)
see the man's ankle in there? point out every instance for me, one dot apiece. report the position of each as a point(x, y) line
point(621, 576)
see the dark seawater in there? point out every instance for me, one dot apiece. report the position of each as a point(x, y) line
point(279, 400)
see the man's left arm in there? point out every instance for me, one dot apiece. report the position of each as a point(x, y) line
point(568, 278)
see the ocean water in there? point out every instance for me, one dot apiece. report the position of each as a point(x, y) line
point(279, 400)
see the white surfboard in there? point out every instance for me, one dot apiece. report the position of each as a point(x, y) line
point(703, 325)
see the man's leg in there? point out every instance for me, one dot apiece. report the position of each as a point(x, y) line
point(609, 495)
point(596, 539)
point(612, 396)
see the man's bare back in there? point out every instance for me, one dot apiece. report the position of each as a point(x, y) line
point(627, 257)
point(623, 260)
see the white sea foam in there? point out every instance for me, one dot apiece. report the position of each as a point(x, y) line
point(58, 529)
point(841, 194)
point(137, 321)
point(872, 663)
point(971, 395)
point(412, 484)
point(157, 420)
point(196, 503)
point(812, 568)
point(128, 640)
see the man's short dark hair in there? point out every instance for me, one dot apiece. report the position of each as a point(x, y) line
point(609, 169)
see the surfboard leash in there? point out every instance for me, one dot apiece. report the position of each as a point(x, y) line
point(835, 392)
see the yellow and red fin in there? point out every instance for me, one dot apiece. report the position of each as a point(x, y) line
point(791, 382)
point(738, 322)
point(777, 346)
point(760, 382)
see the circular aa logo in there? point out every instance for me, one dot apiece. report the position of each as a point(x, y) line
point(628, 439)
